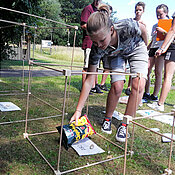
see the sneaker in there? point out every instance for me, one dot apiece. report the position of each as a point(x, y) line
point(146, 96)
point(121, 133)
point(156, 106)
point(103, 87)
point(128, 91)
point(96, 89)
point(153, 98)
point(90, 93)
point(106, 127)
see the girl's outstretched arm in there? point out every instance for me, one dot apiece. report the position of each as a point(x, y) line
point(84, 93)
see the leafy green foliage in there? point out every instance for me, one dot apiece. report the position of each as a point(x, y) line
point(10, 33)
point(71, 10)
point(63, 11)
point(71, 13)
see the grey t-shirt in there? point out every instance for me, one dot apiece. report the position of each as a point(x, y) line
point(129, 37)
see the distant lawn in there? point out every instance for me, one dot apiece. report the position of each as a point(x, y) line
point(62, 56)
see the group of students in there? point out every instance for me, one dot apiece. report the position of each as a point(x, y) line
point(162, 13)
point(156, 60)
point(120, 42)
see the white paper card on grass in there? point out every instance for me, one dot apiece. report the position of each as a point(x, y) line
point(87, 147)
point(164, 139)
point(125, 99)
point(117, 115)
point(8, 106)
point(168, 119)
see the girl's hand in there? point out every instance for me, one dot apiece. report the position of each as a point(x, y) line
point(75, 117)
point(159, 29)
point(158, 52)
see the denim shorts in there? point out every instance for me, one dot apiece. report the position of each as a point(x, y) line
point(138, 62)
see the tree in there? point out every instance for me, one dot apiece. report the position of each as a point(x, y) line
point(71, 13)
point(51, 9)
point(11, 34)
point(64, 11)
point(71, 10)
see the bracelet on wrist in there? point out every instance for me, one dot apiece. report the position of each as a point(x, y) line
point(161, 49)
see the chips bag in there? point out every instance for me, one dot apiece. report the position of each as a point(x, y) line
point(73, 133)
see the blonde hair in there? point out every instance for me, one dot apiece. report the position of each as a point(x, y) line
point(104, 8)
point(99, 20)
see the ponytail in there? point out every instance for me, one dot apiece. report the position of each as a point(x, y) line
point(99, 20)
point(104, 8)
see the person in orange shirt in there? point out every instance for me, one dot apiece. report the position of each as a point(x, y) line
point(169, 66)
point(162, 13)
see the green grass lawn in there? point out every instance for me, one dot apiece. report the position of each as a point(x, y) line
point(18, 157)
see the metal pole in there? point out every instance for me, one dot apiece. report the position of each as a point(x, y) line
point(28, 95)
point(92, 164)
point(126, 144)
point(34, 43)
point(23, 58)
point(110, 141)
point(40, 153)
point(171, 145)
point(71, 67)
point(38, 17)
point(142, 126)
point(136, 104)
point(51, 42)
point(62, 123)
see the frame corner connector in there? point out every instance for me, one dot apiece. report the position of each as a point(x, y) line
point(127, 119)
point(76, 27)
point(67, 72)
point(57, 172)
point(25, 135)
point(131, 153)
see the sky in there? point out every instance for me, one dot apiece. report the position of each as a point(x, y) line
point(125, 9)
